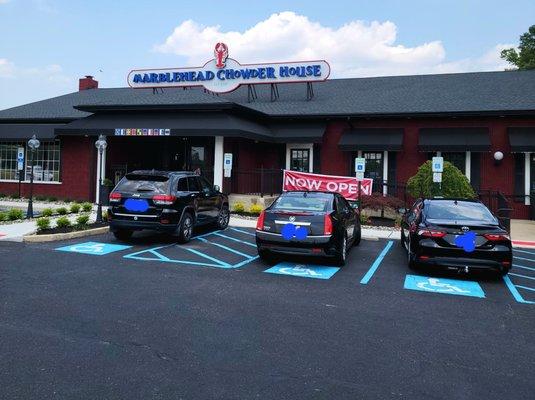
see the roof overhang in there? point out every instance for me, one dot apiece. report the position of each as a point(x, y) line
point(522, 139)
point(454, 139)
point(372, 139)
point(26, 131)
point(308, 132)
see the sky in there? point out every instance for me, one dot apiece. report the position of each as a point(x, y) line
point(47, 45)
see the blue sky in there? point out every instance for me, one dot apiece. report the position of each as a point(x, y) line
point(47, 45)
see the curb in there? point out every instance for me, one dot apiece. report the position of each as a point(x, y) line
point(33, 238)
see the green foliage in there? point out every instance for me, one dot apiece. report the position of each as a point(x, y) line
point(61, 210)
point(255, 209)
point(40, 198)
point(43, 223)
point(86, 207)
point(67, 200)
point(13, 196)
point(3, 216)
point(2, 195)
point(454, 183)
point(82, 220)
point(364, 218)
point(524, 58)
point(107, 182)
point(105, 215)
point(238, 207)
point(15, 214)
point(63, 222)
point(52, 198)
point(75, 207)
point(47, 212)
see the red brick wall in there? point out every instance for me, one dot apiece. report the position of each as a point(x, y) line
point(78, 162)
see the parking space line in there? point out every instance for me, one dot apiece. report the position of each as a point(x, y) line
point(525, 287)
point(242, 231)
point(224, 247)
point(522, 276)
point(246, 261)
point(222, 263)
point(525, 259)
point(376, 263)
point(524, 251)
point(523, 267)
point(235, 240)
point(514, 291)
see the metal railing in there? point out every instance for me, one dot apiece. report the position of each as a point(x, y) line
point(256, 181)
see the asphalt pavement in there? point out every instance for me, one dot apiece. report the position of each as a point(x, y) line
point(95, 318)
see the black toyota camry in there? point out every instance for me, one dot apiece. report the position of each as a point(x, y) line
point(462, 235)
point(308, 223)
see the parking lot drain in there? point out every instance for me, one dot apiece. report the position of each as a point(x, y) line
point(443, 286)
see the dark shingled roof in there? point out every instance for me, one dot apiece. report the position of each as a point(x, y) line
point(466, 93)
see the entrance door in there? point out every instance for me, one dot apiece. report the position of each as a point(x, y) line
point(374, 168)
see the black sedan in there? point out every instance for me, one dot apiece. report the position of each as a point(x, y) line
point(461, 235)
point(308, 223)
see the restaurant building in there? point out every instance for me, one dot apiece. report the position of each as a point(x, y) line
point(484, 123)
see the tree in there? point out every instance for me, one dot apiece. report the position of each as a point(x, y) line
point(454, 183)
point(524, 58)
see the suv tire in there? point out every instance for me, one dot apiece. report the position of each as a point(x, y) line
point(223, 218)
point(185, 229)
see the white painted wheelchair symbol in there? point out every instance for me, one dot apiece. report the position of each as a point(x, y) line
point(299, 270)
point(97, 248)
point(434, 285)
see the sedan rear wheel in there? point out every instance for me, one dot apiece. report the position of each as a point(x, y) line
point(342, 252)
point(410, 257)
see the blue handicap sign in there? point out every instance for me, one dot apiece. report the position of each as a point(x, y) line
point(442, 285)
point(93, 248)
point(303, 270)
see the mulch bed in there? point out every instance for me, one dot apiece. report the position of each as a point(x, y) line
point(73, 228)
point(381, 221)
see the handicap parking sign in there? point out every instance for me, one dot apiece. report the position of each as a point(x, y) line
point(444, 286)
point(303, 270)
point(93, 248)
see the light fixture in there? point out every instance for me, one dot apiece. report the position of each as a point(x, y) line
point(33, 144)
point(101, 145)
point(498, 157)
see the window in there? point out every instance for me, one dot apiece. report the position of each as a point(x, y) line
point(182, 185)
point(46, 161)
point(456, 158)
point(206, 187)
point(193, 184)
point(136, 183)
point(197, 156)
point(519, 176)
point(300, 160)
point(374, 167)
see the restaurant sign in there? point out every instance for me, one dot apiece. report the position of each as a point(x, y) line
point(223, 74)
point(347, 186)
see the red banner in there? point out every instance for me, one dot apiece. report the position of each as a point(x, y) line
point(347, 186)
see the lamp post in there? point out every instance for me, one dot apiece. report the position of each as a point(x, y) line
point(101, 145)
point(33, 144)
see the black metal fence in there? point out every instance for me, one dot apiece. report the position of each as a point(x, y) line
point(257, 181)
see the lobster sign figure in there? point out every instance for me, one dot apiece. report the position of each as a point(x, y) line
point(221, 54)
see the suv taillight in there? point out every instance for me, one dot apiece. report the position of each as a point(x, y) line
point(431, 233)
point(327, 225)
point(163, 199)
point(496, 237)
point(115, 197)
point(260, 221)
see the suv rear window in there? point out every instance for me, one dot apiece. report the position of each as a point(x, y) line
point(459, 210)
point(144, 184)
point(302, 202)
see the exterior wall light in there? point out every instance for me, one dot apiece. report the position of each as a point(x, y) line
point(498, 157)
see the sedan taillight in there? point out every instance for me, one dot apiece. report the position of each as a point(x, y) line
point(327, 225)
point(163, 199)
point(431, 233)
point(260, 221)
point(496, 237)
point(115, 197)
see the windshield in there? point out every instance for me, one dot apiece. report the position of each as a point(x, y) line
point(144, 184)
point(459, 210)
point(304, 202)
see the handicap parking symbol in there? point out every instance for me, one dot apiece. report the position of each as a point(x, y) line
point(444, 286)
point(93, 248)
point(303, 270)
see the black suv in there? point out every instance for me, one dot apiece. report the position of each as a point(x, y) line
point(170, 202)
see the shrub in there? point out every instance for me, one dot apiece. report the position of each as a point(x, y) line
point(40, 198)
point(255, 209)
point(105, 215)
point(14, 196)
point(87, 206)
point(43, 223)
point(378, 201)
point(82, 220)
point(107, 182)
point(2, 195)
point(61, 210)
point(238, 207)
point(454, 183)
point(67, 200)
point(15, 214)
point(3, 216)
point(364, 218)
point(52, 198)
point(63, 222)
point(47, 212)
point(75, 207)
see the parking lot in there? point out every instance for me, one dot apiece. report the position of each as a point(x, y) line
point(98, 318)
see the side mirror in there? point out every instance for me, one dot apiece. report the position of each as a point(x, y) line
point(217, 188)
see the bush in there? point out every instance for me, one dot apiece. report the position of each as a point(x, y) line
point(40, 198)
point(14, 196)
point(3, 216)
point(82, 220)
point(255, 209)
point(62, 210)
point(15, 214)
point(43, 223)
point(364, 218)
point(52, 198)
point(86, 207)
point(2, 195)
point(238, 207)
point(454, 183)
point(378, 201)
point(47, 212)
point(63, 222)
point(75, 207)
point(67, 200)
point(105, 215)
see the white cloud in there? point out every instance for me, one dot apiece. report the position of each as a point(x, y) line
point(7, 69)
point(357, 48)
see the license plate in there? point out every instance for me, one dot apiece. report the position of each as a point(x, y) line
point(139, 205)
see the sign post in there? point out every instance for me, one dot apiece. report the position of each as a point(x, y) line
point(360, 167)
point(20, 166)
point(438, 168)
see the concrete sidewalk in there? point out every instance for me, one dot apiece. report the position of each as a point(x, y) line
point(523, 232)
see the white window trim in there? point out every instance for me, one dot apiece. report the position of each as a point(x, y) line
point(34, 182)
point(300, 146)
point(218, 161)
point(468, 165)
point(527, 178)
point(385, 172)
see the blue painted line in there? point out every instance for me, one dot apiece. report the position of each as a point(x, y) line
point(235, 240)
point(376, 263)
point(522, 258)
point(242, 231)
point(522, 276)
point(226, 248)
point(222, 263)
point(133, 255)
point(525, 287)
point(523, 266)
point(179, 262)
point(518, 297)
point(523, 251)
point(241, 264)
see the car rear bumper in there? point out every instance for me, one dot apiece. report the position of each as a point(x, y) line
point(311, 246)
point(121, 224)
point(500, 265)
